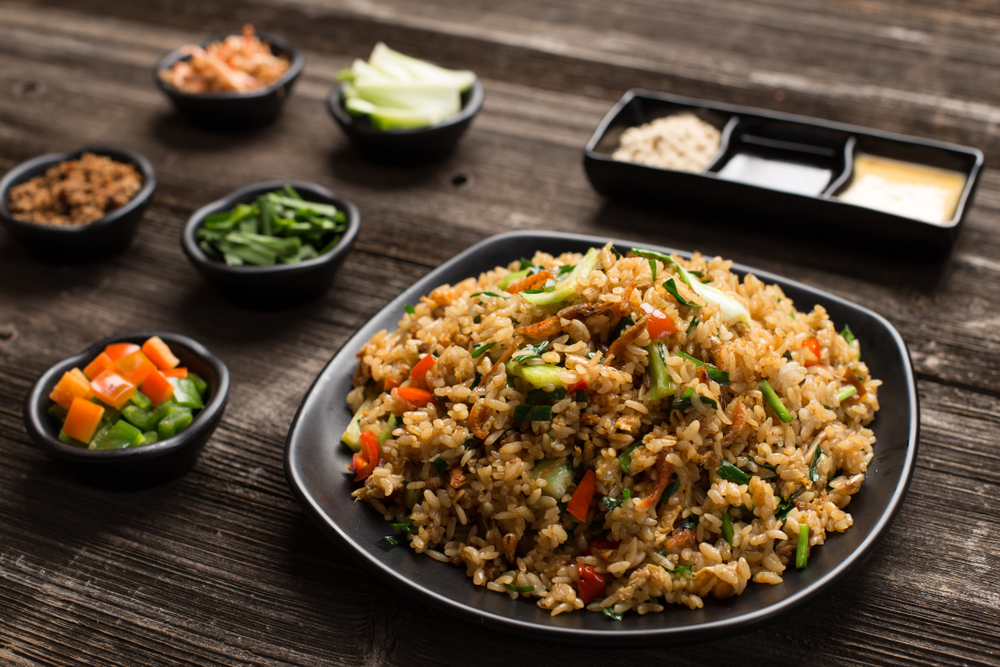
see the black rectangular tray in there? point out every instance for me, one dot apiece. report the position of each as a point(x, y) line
point(812, 211)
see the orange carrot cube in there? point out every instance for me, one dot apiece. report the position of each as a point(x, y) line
point(72, 385)
point(118, 350)
point(160, 354)
point(135, 367)
point(82, 419)
point(112, 388)
point(101, 363)
point(157, 388)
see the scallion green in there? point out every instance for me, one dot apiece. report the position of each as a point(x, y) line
point(727, 527)
point(802, 549)
point(731, 473)
point(775, 402)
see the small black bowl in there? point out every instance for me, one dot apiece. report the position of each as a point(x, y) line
point(133, 467)
point(406, 147)
point(235, 111)
point(281, 285)
point(81, 243)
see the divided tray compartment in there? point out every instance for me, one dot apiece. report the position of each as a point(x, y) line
point(779, 173)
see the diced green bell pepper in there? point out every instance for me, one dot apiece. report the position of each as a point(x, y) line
point(57, 413)
point(102, 430)
point(142, 419)
point(149, 437)
point(174, 423)
point(165, 408)
point(121, 435)
point(199, 383)
point(71, 441)
point(140, 400)
point(186, 394)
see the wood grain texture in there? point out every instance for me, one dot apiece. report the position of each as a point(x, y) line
point(219, 566)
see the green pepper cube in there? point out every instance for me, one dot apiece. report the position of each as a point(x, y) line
point(186, 394)
point(141, 419)
point(102, 430)
point(71, 441)
point(149, 437)
point(174, 423)
point(140, 400)
point(165, 408)
point(199, 383)
point(57, 413)
point(121, 435)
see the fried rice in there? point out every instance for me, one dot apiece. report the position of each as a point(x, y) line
point(570, 445)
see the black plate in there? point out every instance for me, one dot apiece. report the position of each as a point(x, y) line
point(801, 202)
point(314, 466)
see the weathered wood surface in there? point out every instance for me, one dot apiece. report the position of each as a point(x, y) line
point(220, 566)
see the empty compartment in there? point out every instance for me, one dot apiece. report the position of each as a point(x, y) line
point(666, 135)
point(923, 183)
point(784, 156)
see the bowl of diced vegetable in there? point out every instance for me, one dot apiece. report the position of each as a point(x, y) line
point(401, 110)
point(272, 245)
point(130, 411)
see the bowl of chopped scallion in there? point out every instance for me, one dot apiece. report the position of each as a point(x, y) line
point(272, 245)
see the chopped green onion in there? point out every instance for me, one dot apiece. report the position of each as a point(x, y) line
point(813, 473)
point(720, 377)
point(477, 319)
point(492, 294)
point(731, 473)
point(692, 325)
point(565, 268)
point(690, 522)
point(410, 309)
point(730, 309)
point(802, 549)
point(567, 286)
point(441, 465)
point(675, 483)
point(683, 402)
point(519, 589)
point(683, 570)
point(848, 335)
point(775, 402)
point(610, 503)
point(533, 413)
point(661, 384)
point(581, 396)
point(610, 613)
point(847, 393)
point(536, 351)
point(626, 494)
point(526, 263)
point(727, 527)
point(625, 459)
point(788, 355)
point(404, 526)
point(388, 542)
point(536, 396)
point(671, 286)
point(786, 506)
point(479, 350)
point(623, 324)
point(652, 268)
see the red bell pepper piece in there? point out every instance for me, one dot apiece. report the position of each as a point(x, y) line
point(659, 325)
point(157, 388)
point(591, 582)
point(580, 502)
point(118, 350)
point(365, 461)
point(812, 351)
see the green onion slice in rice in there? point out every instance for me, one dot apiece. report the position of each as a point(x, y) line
point(720, 377)
point(813, 473)
point(848, 335)
point(566, 287)
point(533, 413)
point(731, 473)
point(671, 287)
point(612, 614)
point(775, 402)
point(846, 393)
point(661, 384)
point(727, 527)
point(802, 549)
point(625, 459)
point(480, 350)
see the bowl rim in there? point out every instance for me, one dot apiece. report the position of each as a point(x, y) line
point(297, 61)
point(35, 419)
point(124, 155)
point(190, 245)
point(335, 105)
point(664, 636)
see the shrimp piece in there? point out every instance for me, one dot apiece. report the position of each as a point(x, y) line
point(664, 471)
point(682, 537)
point(530, 282)
point(545, 329)
point(627, 338)
point(456, 478)
point(478, 416)
point(739, 420)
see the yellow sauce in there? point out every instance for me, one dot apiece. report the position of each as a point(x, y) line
point(906, 189)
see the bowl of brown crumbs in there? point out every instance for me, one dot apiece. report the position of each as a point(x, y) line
point(77, 207)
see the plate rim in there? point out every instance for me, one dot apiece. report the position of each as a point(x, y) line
point(612, 636)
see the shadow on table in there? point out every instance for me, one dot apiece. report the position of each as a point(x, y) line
point(350, 166)
point(207, 312)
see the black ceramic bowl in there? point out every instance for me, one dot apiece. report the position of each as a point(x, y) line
point(281, 285)
point(134, 467)
point(83, 243)
point(234, 111)
point(315, 460)
point(402, 147)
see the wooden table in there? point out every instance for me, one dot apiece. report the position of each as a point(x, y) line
point(220, 566)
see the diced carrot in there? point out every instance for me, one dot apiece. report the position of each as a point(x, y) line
point(118, 350)
point(101, 363)
point(135, 367)
point(112, 389)
point(391, 383)
point(811, 351)
point(422, 366)
point(181, 372)
point(415, 395)
point(82, 419)
point(73, 384)
point(157, 387)
point(579, 504)
point(159, 353)
point(660, 325)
